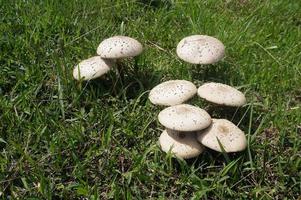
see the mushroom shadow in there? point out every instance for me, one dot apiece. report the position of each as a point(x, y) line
point(220, 72)
point(130, 82)
point(155, 4)
point(209, 161)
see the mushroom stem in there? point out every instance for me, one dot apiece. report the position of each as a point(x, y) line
point(176, 134)
point(181, 135)
point(119, 74)
point(119, 68)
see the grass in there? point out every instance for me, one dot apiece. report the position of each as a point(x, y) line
point(60, 139)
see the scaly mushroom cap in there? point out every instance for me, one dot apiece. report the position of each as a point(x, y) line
point(222, 94)
point(200, 49)
point(172, 92)
point(182, 146)
point(230, 136)
point(119, 47)
point(184, 117)
point(92, 68)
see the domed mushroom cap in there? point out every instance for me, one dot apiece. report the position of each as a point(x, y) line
point(119, 47)
point(184, 147)
point(230, 136)
point(92, 68)
point(200, 49)
point(184, 117)
point(172, 92)
point(222, 94)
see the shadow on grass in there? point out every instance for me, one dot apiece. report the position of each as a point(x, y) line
point(130, 81)
point(212, 162)
point(155, 4)
point(214, 73)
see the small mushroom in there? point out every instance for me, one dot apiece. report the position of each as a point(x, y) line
point(225, 133)
point(119, 47)
point(222, 94)
point(200, 49)
point(184, 117)
point(92, 68)
point(182, 146)
point(172, 92)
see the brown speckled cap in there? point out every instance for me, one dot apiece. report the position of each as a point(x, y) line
point(92, 68)
point(200, 49)
point(184, 147)
point(222, 94)
point(184, 117)
point(230, 136)
point(172, 92)
point(119, 47)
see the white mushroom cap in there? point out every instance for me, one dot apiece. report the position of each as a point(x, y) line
point(183, 146)
point(92, 68)
point(230, 136)
point(172, 92)
point(222, 94)
point(184, 117)
point(119, 47)
point(200, 49)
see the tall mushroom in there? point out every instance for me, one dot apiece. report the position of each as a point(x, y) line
point(200, 49)
point(181, 123)
point(119, 47)
point(172, 92)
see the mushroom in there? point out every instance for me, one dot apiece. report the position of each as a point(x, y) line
point(118, 47)
point(92, 68)
point(222, 94)
point(181, 123)
point(182, 147)
point(172, 92)
point(200, 49)
point(225, 133)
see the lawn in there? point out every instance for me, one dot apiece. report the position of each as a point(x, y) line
point(63, 139)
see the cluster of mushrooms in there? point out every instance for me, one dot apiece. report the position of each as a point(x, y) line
point(110, 52)
point(188, 128)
